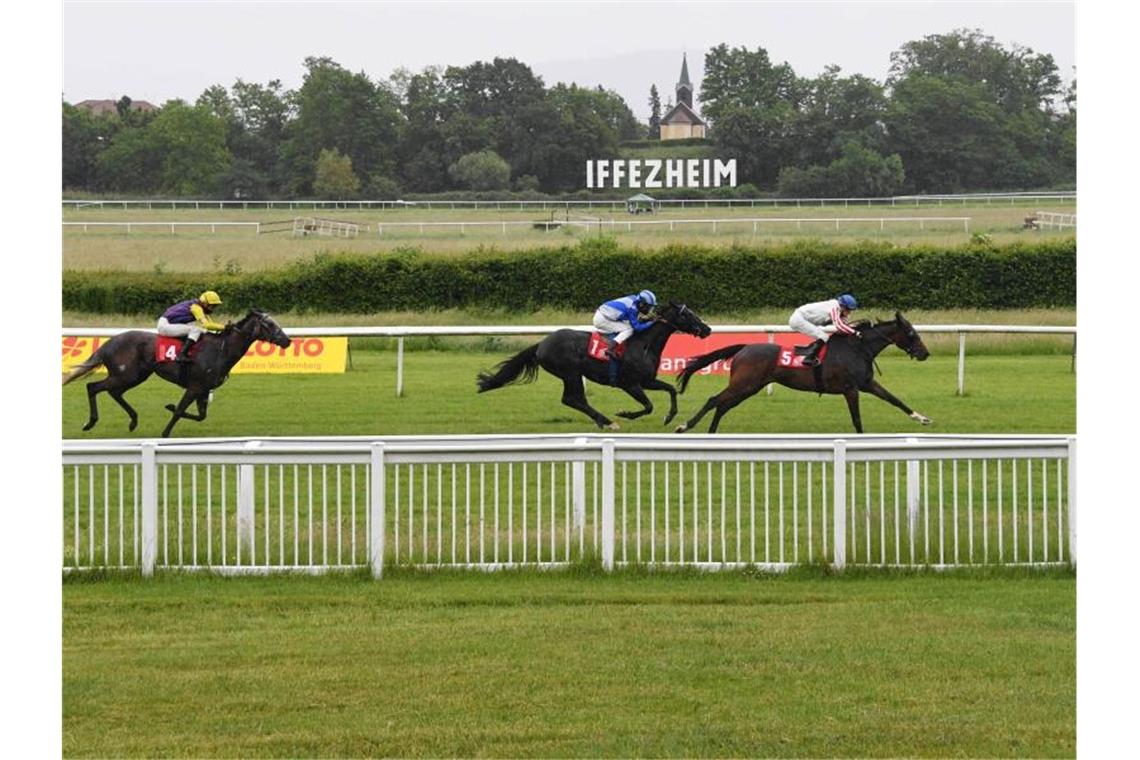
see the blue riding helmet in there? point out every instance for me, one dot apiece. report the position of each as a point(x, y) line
point(646, 296)
point(847, 301)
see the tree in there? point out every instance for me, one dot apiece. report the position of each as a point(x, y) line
point(335, 179)
point(740, 78)
point(338, 109)
point(85, 136)
point(485, 170)
point(654, 113)
point(834, 111)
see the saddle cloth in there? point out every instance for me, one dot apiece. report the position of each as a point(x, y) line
point(166, 348)
point(792, 358)
point(596, 348)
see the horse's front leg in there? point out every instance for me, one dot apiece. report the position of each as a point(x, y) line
point(639, 396)
point(660, 385)
point(178, 411)
point(875, 389)
point(202, 400)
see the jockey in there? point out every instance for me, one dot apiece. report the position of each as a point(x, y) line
point(810, 318)
point(187, 320)
point(620, 318)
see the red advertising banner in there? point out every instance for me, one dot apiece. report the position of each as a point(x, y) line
point(681, 348)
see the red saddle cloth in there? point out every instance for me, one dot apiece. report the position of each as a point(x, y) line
point(596, 348)
point(166, 348)
point(791, 360)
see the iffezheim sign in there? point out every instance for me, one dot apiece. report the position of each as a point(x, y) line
point(651, 173)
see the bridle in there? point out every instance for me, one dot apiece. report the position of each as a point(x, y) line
point(908, 348)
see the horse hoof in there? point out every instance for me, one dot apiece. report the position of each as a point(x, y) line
point(921, 418)
point(681, 428)
point(89, 425)
point(134, 424)
point(171, 408)
point(613, 426)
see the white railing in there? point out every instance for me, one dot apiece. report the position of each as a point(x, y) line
point(402, 332)
point(715, 225)
point(1051, 220)
point(490, 502)
point(612, 204)
point(172, 226)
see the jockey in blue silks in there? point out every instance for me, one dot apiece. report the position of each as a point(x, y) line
point(620, 318)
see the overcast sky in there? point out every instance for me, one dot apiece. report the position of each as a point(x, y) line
point(156, 51)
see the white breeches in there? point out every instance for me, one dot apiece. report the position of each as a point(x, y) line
point(607, 326)
point(801, 325)
point(178, 330)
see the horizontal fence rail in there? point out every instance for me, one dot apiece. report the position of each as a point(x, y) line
point(612, 204)
point(402, 332)
point(492, 502)
point(171, 226)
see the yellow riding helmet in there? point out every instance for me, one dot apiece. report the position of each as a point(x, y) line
point(210, 297)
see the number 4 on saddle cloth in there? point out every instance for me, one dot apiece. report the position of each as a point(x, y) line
point(166, 348)
point(597, 346)
point(793, 357)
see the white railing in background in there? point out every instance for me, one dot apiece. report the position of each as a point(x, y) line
point(1050, 220)
point(490, 502)
point(172, 226)
point(612, 204)
point(714, 225)
point(402, 332)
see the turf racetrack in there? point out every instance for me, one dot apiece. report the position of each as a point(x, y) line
point(572, 665)
point(1004, 394)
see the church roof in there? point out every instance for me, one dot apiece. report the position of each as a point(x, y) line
point(685, 73)
point(681, 114)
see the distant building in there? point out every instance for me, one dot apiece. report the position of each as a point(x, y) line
point(110, 107)
point(682, 121)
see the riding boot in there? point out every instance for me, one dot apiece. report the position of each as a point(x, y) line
point(811, 357)
point(614, 365)
point(184, 354)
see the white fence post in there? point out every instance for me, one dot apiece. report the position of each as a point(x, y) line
point(399, 366)
point(149, 508)
point(1072, 500)
point(961, 364)
point(839, 504)
point(608, 504)
point(912, 486)
point(578, 493)
point(245, 505)
point(376, 512)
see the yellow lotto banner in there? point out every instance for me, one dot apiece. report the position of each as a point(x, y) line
point(304, 355)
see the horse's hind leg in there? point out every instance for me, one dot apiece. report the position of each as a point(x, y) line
point(117, 394)
point(574, 396)
point(93, 390)
point(723, 401)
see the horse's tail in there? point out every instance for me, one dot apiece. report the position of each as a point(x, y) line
point(520, 368)
point(695, 365)
point(93, 363)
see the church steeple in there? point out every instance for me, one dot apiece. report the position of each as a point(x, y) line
point(684, 86)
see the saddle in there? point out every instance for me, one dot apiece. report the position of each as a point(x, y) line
point(166, 348)
point(597, 345)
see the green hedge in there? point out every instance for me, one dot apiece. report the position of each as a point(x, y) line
point(1023, 275)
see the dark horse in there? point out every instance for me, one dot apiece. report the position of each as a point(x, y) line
point(129, 359)
point(847, 369)
point(563, 354)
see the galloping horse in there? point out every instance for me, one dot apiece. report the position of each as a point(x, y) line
point(564, 355)
point(130, 359)
point(847, 369)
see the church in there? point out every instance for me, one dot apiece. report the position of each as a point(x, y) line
point(682, 121)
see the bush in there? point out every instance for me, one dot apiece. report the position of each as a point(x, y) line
point(484, 170)
point(1021, 275)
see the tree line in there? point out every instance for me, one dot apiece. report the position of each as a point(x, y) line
point(957, 112)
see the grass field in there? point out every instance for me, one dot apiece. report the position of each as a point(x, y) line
point(239, 249)
point(572, 665)
point(1005, 394)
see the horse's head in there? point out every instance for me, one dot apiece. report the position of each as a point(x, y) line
point(682, 319)
point(264, 328)
point(908, 339)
